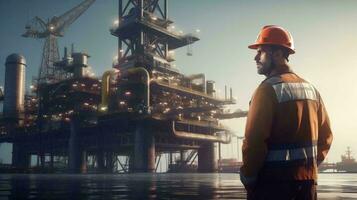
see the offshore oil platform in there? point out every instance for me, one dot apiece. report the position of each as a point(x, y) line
point(140, 109)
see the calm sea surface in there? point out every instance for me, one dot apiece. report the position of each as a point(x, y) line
point(151, 186)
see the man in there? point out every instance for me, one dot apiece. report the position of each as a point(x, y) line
point(288, 131)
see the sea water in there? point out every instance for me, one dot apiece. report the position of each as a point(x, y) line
point(151, 186)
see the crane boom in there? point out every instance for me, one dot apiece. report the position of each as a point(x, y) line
point(50, 31)
point(70, 16)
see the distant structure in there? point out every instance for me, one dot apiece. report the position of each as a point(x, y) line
point(140, 109)
point(50, 30)
point(347, 164)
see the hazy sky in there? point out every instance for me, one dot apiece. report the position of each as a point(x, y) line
point(325, 34)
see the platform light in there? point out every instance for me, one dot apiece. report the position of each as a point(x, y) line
point(103, 108)
point(51, 28)
point(116, 22)
point(154, 18)
point(198, 30)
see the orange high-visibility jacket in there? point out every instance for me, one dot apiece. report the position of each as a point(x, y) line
point(287, 133)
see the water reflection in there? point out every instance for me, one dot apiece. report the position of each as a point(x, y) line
point(151, 186)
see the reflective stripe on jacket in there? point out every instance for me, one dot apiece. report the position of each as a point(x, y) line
point(287, 132)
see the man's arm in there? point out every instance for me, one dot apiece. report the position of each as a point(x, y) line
point(325, 136)
point(258, 128)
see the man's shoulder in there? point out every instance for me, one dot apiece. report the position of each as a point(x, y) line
point(289, 77)
point(272, 80)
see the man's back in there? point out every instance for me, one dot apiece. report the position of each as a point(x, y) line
point(288, 131)
point(299, 122)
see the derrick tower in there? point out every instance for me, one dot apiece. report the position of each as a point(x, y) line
point(146, 35)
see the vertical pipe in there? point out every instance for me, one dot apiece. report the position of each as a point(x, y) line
point(170, 158)
point(225, 92)
point(72, 48)
point(166, 51)
point(141, 36)
point(238, 149)
point(230, 94)
point(141, 7)
point(219, 155)
point(120, 10)
point(120, 45)
point(166, 10)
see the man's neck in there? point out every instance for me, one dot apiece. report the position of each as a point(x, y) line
point(279, 69)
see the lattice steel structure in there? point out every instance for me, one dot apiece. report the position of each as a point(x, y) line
point(50, 31)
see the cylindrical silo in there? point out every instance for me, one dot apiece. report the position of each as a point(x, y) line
point(80, 62)
point(14, 97)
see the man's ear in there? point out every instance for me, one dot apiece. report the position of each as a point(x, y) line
point(278, 54)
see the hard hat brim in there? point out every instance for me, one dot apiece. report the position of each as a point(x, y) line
point(255, 46)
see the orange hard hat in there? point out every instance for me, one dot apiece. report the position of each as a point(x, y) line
point(274, 35)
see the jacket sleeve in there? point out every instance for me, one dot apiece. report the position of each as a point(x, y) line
point(325, 136)
point(258, 128)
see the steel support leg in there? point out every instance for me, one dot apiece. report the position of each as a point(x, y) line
point(144, 150)
point(100, 160)
point(207, 158)
point(74, 154)
point(20, 158)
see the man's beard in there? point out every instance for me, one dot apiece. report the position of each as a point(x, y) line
point(266, 70)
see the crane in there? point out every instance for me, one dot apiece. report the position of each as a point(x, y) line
point(50, 30)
